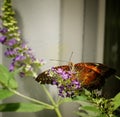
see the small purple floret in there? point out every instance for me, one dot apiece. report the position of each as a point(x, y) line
point(11, 42)
point(59, 71)
point(10, 52)
point(3, 30)
point(20, 58)
point(3, 39)
point(11, 68)
point(22, 74)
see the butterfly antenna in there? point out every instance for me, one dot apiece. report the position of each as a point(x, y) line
point(58, 60)
point(70, 63)
point(70, 57)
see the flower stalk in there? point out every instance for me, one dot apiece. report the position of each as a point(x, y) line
point(56, 105)
point(31, 99)
point(20, 54)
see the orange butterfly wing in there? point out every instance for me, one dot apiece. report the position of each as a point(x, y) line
point(90, 75)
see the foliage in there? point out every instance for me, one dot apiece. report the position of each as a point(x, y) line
point(94, 105)
point(8, 88)
point(91, 104)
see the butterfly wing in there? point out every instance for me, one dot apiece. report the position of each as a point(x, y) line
point(93, 75)
point(45, 78)
point(90, 75)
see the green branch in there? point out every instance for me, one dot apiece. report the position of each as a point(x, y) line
point(56, 105)
point(31, 99)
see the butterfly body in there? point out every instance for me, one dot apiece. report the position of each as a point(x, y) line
point(90, 75)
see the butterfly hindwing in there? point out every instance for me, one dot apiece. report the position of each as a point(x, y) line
point(93, 75)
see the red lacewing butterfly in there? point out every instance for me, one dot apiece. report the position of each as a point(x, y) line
point(90, 75)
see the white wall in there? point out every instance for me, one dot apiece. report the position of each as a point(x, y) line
point(90, 30)
point(40, 23)
point(72, 13)
point(93, 39)
point(100, 31)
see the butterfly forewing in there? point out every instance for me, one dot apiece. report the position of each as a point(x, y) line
point(45, 78)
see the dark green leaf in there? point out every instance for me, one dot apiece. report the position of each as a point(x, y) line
point(118, 77)
point(7, 78)
point(116, 101)
point(21, 107)
point(4, 93)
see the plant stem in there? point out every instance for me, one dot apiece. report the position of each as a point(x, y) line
point(56, 105)
point(58, 112)
point(31, 99)
point(48, 94)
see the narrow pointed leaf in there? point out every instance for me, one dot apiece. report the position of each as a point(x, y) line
point(90, 108)
point(4, 93)
point(116, 101)
point(80, 98)
point(118, 77)
point(7, 78)
point(92, 111)
point(21, 107)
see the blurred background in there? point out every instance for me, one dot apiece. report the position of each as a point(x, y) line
point(56, 28)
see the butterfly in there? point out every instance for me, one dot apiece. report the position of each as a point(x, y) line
point(90, 75)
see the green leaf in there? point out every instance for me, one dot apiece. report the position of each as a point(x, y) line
point(7, 78)
point(3, 68)
point(116, 101)
point(80, 98)
point(118, 77)
point(85, 114)
point(63, 100)
point(21, 107)
point(4, 93)
point(92, 111)
point(90, 108)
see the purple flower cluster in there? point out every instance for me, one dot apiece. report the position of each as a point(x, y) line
point(17, 50)
point(6, 39)
point(66, 82)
